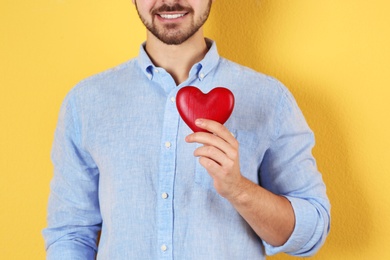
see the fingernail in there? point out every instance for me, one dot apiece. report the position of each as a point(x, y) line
point(198, 122)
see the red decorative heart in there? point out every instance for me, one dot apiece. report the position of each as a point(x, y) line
point(192, 104)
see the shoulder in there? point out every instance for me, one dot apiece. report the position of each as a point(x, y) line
point(249, 82)
point(109, 76)
point(106, 82)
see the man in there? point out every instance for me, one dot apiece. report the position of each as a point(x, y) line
point(127, 165)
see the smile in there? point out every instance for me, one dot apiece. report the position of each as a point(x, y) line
point(171, 16)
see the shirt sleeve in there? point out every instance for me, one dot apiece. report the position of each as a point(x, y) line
point(74, 219)
point(289, 169)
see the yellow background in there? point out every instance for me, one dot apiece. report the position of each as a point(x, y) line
point(333, 55)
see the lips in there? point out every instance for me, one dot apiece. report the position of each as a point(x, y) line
point(175, 11)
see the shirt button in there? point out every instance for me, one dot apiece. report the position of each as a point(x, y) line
point(173, 99)
point(164, 195)
point(164, 248)
point(168, 144)
point(201, 75)
point(156, 70)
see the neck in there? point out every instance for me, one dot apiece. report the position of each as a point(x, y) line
point(177, 60)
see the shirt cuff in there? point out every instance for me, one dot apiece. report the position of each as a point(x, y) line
point(65, 250)
point(306, 218)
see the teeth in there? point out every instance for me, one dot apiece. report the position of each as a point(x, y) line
point(171, 16)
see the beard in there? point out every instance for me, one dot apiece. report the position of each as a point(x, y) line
point(170, 34)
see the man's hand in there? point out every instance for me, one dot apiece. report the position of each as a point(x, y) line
point(271, 216)
point(219, 155)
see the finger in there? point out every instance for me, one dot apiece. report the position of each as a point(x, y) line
point(208, 139)
point(211, 166)
point(217, 129)
point(214, 154)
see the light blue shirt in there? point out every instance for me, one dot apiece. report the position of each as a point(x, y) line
point(122, 166)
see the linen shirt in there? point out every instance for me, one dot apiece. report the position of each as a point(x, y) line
point(122, 167)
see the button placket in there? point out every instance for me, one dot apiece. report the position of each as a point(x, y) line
point(167, 172)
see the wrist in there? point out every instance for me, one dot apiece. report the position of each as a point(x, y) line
point(241, 192)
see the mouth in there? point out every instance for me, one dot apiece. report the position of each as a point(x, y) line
point(171, 16)
point(171, 13)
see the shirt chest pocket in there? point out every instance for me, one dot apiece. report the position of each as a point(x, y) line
point(202, 177)
point(248, 163)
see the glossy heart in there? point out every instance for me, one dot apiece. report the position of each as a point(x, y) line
point(192, 104)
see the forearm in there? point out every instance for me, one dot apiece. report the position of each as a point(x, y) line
point(270, 216)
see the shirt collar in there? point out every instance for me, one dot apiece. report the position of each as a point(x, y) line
point(200, 69)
